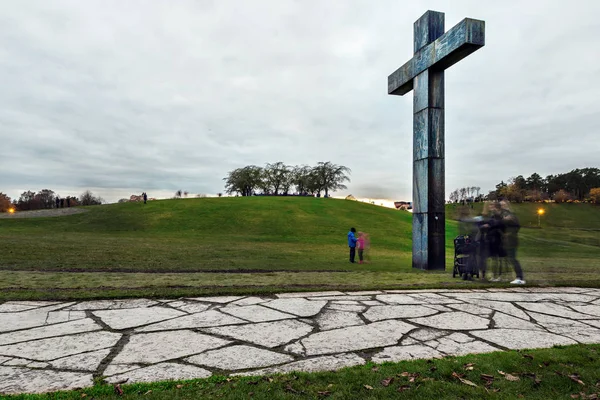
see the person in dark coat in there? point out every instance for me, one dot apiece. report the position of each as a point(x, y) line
point(57, 202)
point(68, 201)
point(352, 243)
point(145, 197)
point(62, 203)
point(511, 241)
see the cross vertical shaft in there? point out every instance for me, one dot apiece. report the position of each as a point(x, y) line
point(428, 153)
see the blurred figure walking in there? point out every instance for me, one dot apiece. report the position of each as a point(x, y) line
point(511, 241)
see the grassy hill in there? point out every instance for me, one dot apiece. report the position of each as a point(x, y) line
point(189, 242)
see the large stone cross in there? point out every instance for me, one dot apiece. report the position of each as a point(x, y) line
point(434, 52)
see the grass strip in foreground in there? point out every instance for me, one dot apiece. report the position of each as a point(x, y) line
point(564, 372)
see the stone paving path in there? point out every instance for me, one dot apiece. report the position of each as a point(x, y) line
point(47, 346)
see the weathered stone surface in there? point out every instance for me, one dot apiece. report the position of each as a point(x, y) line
point(15, 307)
point(451, 347)
point(472, 309)
point(53, 348)
point(554, 309)
point(332, 319)
point(347, 302)
point(308, 294)
point(433, 298)
point(347, 307)
point(112, 304)
point(55, 317)
point(4, 359)
point(84, 362)
point(377, 334)
point(595, 323)
point(17, 362)
point(517, 339)
point(161, 372)
point(506, 321)
point(256, 313)
point(399, 299)
point(114, 369)
point(590, 310)
point(582, 335)
point(200, 320)
point(549, 321)
point(149, 348)
point(365, 293)
point(248, 301)
point(425, 334)
point(14, 380)
point(506, 308)
point(379, 313)
point(399, 353)
point(373, 303)
point(38, 364)
point(217, 299)
point(239, 357)
point(268, 334)
point(189, 306)
point(294, 348)
point(439, 307)
point(298, 306)
point(340, 298)
point(132, 317)
point(24, 319)
point(317, 364)
point(456, 321)
point(83, 325)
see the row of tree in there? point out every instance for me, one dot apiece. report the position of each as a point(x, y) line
point(45, 199)
point(576, 185)
point(281, 179)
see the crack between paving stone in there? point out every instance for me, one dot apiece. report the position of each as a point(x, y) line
point(115, 350)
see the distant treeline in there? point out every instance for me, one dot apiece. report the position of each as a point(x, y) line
point(582, 185)
point(45, 199)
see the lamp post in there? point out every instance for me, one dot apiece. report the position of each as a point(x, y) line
point(540, 212)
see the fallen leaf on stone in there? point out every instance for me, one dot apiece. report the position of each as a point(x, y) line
point(324, 393)
point(386, 382)
point(118, 390)
point(403, 388)
point(575, 378)
point(368, 387)
point(511, 378)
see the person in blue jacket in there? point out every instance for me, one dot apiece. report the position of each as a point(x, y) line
point(352, 243)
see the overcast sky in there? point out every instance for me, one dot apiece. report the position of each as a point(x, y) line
point(124, 96)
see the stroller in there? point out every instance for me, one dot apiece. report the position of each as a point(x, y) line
point(465, 257)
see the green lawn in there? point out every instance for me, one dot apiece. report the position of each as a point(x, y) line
point(557, 373)
point(199, 246)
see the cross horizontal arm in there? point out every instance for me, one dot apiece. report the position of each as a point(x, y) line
point(454, 45)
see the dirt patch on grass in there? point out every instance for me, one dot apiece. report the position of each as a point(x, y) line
point(54, 212)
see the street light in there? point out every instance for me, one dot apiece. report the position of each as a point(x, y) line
point(11, 210)
point(540, 212)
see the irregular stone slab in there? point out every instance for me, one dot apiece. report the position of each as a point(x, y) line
point(377, 334)
point(298, 306)
point(472, 309)
point(112, 304)
point(149, 348)
point(38, 364)
point(25, 319)
point(372, 303)
point(518, 339)
point(338, 298)
point(189, 306)
point(84, 362)
point(217, 299)
point(506, 308)
point(591, 310)
point(256, 313)
point(308, 294)
point(456, 321)
point(365, 293)
point(53, 348)
point(249, 301)
point(554, 309)
point(317, 364)
point(294, 348)
point(506, 321)
point(267, 334)
point(399, 299)
point(55, 317)
point(379, 313)
point(347, 302)
point(15, 380)
point(15, 307)
point(17, 362)
point(161, 372)
point(239, 357)
point(129, 318)
point(114, 369)
point(4, 359)
point(83, 325)
point(346, 307)
point(460, 338)
point(399, 353)
point(408, 341)
point(595, 323)
point(523, 297)
point(552, 321)
point(453, 348)
point(582, 335)
point(433, 298)
point(439, 307)
point(332, 319)
point(200, 320)
point(37, 303)
point(425, 334)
